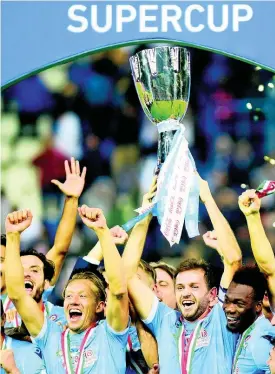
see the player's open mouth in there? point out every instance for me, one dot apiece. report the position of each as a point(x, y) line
point(232, 321)
point(75, 314)
point(28, 286)
point(187, 304)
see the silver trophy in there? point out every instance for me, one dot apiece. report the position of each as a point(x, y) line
point(162, 81)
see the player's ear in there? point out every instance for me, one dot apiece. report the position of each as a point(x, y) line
point(213, 293)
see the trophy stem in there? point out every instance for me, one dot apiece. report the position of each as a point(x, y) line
point(164, 146)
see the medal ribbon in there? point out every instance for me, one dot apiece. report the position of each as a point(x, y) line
point(7, 302)
point(186, 355)
point(240, 346)
point(65, 345)
point(45, 309)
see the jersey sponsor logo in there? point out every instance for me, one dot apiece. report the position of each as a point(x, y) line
point(38, 352)
point(203, 339)
point(90, 358)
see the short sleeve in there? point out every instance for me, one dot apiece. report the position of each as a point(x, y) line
point(261, 355)
point(158, 312)
point(217, 315)
point(47, 332)
point(217, 323)
point(119, 336)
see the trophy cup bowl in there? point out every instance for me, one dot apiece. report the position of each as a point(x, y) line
point(162, 81)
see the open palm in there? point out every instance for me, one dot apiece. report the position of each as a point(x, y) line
point(74, 183)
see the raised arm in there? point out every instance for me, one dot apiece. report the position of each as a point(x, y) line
point(26, 306)
point(117, 311)
point(140, 294)
point(134, 247)
point(72, 189)
point(250, 205)
point(149, 346)
point(228, 246)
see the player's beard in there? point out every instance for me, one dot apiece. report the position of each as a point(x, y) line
point(200, 307)
point(38, 293)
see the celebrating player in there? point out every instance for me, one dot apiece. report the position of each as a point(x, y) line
point(244, 300)
point(196, 338)
point(79, 348)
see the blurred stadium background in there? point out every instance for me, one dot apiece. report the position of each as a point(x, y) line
point(89, 109)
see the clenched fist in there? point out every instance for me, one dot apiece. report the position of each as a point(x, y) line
point(92, 217)
point(18, 221)
point(119, 235)
point(249, 202)
point(210, 239)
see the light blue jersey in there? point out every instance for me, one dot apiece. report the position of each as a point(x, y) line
point(28, 357)
point(253, 349)
point(214, 345)
point(104, 352)
point(53, 312)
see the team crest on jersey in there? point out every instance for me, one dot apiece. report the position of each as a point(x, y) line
point(89, 358)
point(53, 317)
point(203, 339)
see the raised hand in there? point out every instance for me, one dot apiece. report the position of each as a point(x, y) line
point(18, 221)
point(249, 202)
point(7, 361)
point(92, 217)
point(119, 235)
point(147, 198)
point(74, 183)
point(210, 239)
